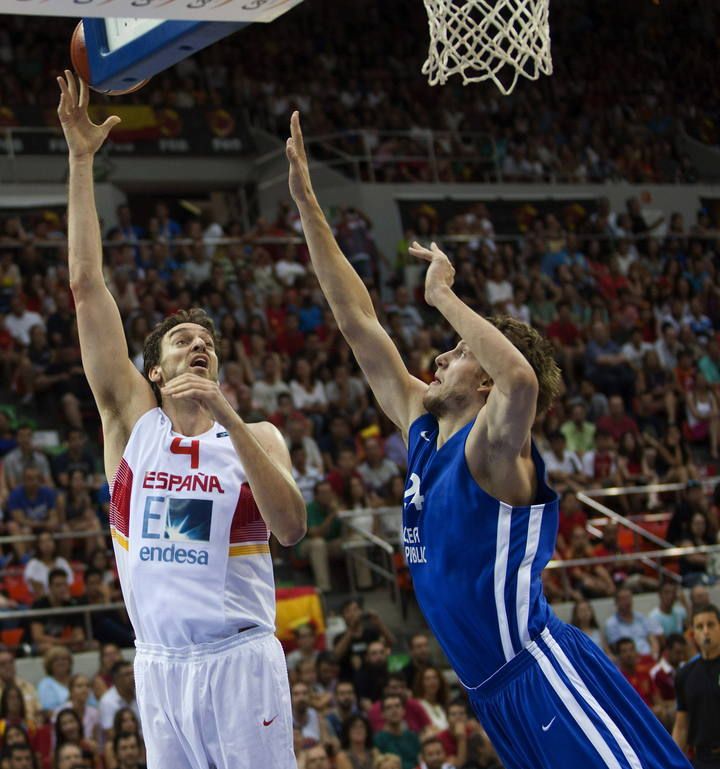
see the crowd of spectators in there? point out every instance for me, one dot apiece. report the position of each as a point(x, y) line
point(633, 317)
point(355, 66)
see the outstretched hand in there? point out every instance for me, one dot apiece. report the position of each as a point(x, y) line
point(299, 180)
point(84, 137)
point(440, 274)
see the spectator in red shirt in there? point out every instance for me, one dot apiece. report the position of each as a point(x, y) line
point(465, 741)
point(600, 463)
point(684, 372)
point(290, 340)
point(567, 339)
point(587, 581)
point(416, 718)
point(617, 422)
point(663, 673)
point(637, 676)
point(571, 517)
point(339, 478)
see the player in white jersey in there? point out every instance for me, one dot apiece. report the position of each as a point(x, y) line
point(195, 493)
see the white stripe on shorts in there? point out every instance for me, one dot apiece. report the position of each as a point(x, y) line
point(580, 716)
point(502, 546)
point(522, 602)
point(574, 677)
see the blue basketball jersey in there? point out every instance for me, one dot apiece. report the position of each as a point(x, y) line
point(475, 561)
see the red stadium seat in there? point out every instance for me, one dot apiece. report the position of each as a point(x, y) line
point(17, 589)
point(12, 638)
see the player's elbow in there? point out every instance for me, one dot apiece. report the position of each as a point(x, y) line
point(84, 284)
point(293, 529)
point(523, 380)
point(291, 535)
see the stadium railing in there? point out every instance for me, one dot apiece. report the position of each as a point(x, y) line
point(27, 615)
point(364, 154)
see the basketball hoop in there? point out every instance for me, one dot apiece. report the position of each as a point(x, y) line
point(497, 40)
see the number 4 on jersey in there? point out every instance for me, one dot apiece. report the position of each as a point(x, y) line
point(193, 451)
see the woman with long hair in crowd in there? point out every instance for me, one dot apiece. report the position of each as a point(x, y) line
point(100, 559)
point(78, 702)
point(102, 680)
point(693, 568)
point(69, 729)
point(356, 740)
point(125, 722)
point(13, 714)
point(431, 691)
point(583, 617)
point(13, 735)
point(79, 512)
point(703, 414)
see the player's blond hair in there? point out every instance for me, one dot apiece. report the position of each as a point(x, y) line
point(538, 352)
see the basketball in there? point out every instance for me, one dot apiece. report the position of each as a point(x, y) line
point(79, 58)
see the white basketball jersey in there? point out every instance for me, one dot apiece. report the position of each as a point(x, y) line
point(191, 547)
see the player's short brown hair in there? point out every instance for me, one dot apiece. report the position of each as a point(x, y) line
point(538, 352)
point(152, 349)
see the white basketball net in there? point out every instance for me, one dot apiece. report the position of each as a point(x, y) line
point(496, 40)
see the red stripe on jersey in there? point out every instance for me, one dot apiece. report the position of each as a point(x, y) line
point(120, 498)
point(247, 523)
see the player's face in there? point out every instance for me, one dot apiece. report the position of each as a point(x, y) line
point(188, 348)
point(455, 386)
point(707, 634)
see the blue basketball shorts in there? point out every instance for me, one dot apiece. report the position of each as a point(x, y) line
point(562, 704)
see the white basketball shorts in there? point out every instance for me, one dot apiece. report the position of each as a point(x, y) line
point(219, 705)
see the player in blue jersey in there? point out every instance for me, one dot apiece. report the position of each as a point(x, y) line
point(480, 522)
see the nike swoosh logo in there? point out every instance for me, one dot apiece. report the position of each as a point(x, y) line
point(424, 436)
point(547, 726)
point(267, 723)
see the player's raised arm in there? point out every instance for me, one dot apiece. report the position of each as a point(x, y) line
point(504, 423)
point(118, 387)
point(399, 394)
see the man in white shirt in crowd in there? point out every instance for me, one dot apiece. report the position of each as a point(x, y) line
point(305, 476)
point(120, 695)
point(626, 623)
point(24, 455)
point(377, 470)
point(564, 468)
point(670, 614)
point(19, 321)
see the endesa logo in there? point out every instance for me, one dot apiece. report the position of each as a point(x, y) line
point(178, 520)
point(173, 554)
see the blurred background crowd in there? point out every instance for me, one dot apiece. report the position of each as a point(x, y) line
point(355, 67)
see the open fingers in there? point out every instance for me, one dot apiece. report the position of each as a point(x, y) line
point(84, 94)
point(64, 98)
point(296, 133)
point(420, 251)
point(72, 88)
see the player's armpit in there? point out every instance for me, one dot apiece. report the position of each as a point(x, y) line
point(399, 394)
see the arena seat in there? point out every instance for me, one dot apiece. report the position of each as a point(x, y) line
point(16, 588)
